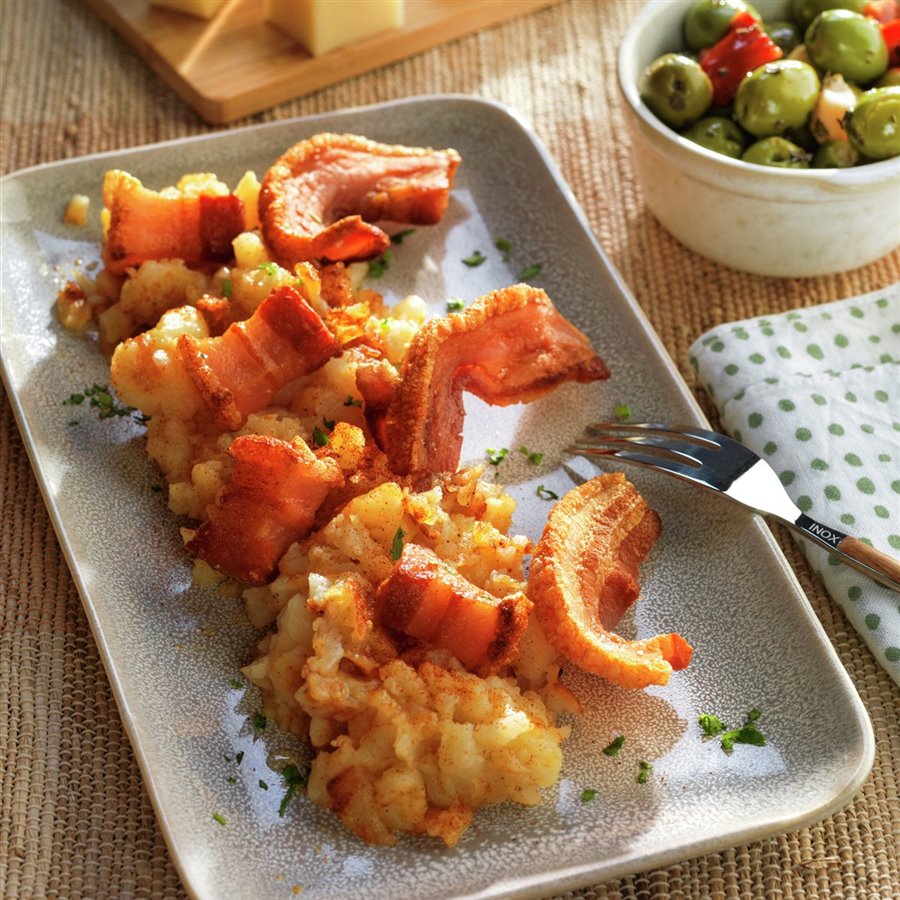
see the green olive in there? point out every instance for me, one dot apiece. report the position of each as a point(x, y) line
point(847, 43)
point(835, 155)
point(719, 135)
point(776, 96)
point(677, 90)
point(785, 34)
point(708, 20)
point(891, 78)
point(776, 151)
point(874, 123)
point(804, 11)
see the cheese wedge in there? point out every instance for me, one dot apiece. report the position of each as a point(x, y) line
point(323, 25)
point(206, 9)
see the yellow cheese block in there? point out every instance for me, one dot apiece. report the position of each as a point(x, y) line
point(204, 8)
point(322, 25)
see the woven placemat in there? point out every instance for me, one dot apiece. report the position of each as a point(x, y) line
point(74, 818)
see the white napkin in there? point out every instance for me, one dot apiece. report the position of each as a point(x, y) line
point(816, 393)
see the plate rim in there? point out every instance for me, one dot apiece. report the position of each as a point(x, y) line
point(558, 879)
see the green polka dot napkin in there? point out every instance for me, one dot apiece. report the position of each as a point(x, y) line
point(816, 393)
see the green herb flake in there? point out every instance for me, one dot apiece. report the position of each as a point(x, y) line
point(616, 745)
point(622, 412)
point(269, 268)
point(505, 247)
point(476, 259)
point(546, 493)
point(320, 438)
point(588, 794)
point(293, 779)
point(102, 400)
point(74, 400)
point(218, 817)
point(644, 772)
point(352, 401)
point(328, 423)
point(495, 457)
point(236, 683)
point(239, 758)
point(259, 722)
point(397, 544)
point(226, 288)
point(534, 458)
point(231, 779)
point(454, 305)
point(748, 733)
point(401, 236)
point(530, 272)
point(377, 267)
point(263, 785)
point(72, 423)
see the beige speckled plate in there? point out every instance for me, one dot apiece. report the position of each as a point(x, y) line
point(172, 650)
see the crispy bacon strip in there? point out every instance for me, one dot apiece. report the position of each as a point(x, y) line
point(147, 225)
point(510, 346)
point(427, 600)
point(269, 502)
point(239, 372)
point(318, 200)
point(584, 576)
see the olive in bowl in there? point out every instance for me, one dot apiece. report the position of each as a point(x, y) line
point(764, 219)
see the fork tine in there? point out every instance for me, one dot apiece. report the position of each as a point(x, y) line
point(683, 450)
point(653, 461)
point(701, 437)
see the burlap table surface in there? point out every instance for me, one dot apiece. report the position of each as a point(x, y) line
point(75, 820)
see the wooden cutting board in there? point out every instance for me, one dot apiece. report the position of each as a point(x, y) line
point(237, 63)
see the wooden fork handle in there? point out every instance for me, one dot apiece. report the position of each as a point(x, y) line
point(869, 556)
point(883, 568)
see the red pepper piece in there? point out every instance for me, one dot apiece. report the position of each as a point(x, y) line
point(890, 31)
point(744, 47)
point(882, 10)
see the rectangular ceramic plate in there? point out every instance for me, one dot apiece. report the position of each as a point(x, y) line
point(171, 649)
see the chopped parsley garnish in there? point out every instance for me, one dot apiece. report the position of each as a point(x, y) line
point(320, 438)
point(505, 247)
point(377, 267)
point(294, 780)
point(236, 684)
point(455, 305)
point(220, 818)
point(103, 401)
point(352, 401)
point(259, 722)
point(495, 457)
point(263, 785)
point(622, 412)
point(588, 794)
point(397, 544)
point(231, 779)
point(644, 772)
point(530, 272)
point(546, 493)
point(328, 423)
point(239, 758)
point(72, 423)
point(614, 748)
point(268, 267)
point(226, 287)
point(749, 733)
point(476, 259)
point(534, 458)
point(401, 236)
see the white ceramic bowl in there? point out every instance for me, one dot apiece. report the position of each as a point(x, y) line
point(760, 219)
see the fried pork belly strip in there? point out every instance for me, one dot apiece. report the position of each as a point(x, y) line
point(239, 372)
point(147, 225)
point(584, 576)
point(269, 502)
point(510, 346)
point(427, 600)
point(318, 200)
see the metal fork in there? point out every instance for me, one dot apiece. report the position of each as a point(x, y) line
point(720, 464)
